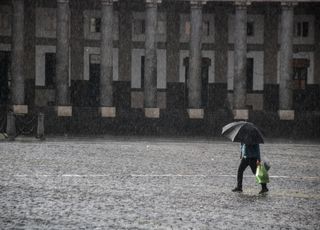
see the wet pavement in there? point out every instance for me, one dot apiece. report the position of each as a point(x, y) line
point(154, 183)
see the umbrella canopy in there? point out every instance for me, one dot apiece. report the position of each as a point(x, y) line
point(242, 131)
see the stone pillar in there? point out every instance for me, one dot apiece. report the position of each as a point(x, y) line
point(62, 56)
point(240, 62)
point(30, 51)
point(106, 63)
point(150, 71)
point(194, 87)
point(270, 89)
point(17, 65)
point(286, 51)
point(173, 42)
point(125, 41)
point(220, 95)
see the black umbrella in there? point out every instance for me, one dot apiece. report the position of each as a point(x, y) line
point(242, 131)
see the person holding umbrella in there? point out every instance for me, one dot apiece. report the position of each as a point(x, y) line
point(250, 156)
point(249, 136)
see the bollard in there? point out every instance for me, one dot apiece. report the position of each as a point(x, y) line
point(40, 127)
point(11, 126)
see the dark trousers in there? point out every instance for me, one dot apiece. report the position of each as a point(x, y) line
point(245, 162)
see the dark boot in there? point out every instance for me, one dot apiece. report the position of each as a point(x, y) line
point(237, 189)
point(264, 189)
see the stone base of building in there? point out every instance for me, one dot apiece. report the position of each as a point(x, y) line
point(20, 109)
point(152, 112)
point(240, 114)
point(173, 122)
point(196, 113)
point(64, 111)
point(107, 111)
point(286, 115)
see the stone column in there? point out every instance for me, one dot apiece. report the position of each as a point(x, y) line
point(221, 58)
point(240, 62)
point(150, 71)
point(62, 57)
point(106, 63)
point(270, 89)
point(17, 65)
point(194, 87)
point(286, 51)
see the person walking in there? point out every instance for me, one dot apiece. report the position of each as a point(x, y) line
point(250, 156)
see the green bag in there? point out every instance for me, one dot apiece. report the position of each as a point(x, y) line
point(262, 176)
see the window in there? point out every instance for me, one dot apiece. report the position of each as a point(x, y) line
point(161, 27)
point(301, 29)
point(300, 73)
point(50, 69)
point(187, 28)
point(94, 78)
point(95, 25)
point(249, 74)
point(139, 26)
point(206, 28)
point(51, 24)
point(5, 62)
point(4, 21)
point(94, 58)
point(250, 29)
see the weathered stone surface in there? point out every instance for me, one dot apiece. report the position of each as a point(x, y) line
point(106, 47)
point(134, 183)
point(150, 71)
point(17, 65)
point(20, 109)
point(194, 86)
point(286, 55)
point(108, 111)
point(196, 113)
point(286, 114)
point(240, 57)
point(152, 112)
point(241, 114)
point(64, 111)
point(62, 53)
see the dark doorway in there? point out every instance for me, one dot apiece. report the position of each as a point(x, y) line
point(205, 63)
point(5, 63)
point(50, 70)
point(300, 74)
point(249, 74)
point(94, 80)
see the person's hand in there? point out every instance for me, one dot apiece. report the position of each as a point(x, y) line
point(258, 162)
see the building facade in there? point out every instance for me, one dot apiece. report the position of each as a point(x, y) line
point(159, 66)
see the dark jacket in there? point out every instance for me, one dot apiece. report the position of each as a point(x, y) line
point(250, 151)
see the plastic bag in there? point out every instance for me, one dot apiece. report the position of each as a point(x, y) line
point(266, 165)
point(262, 176)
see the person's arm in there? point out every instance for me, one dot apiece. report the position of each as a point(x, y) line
point(258, 154)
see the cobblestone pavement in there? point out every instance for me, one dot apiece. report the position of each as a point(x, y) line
point(154, 183)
